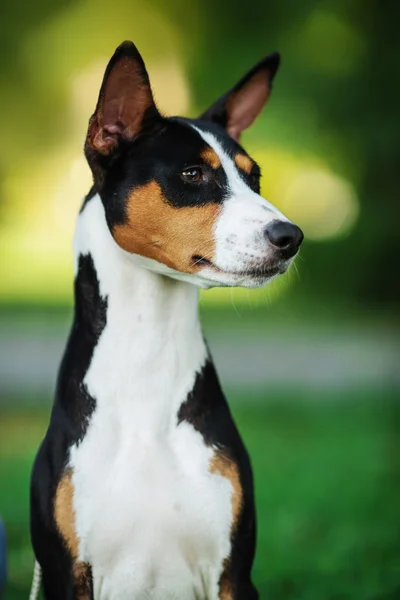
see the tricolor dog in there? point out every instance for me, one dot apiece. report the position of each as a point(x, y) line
point(142, 488)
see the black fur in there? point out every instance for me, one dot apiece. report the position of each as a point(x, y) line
point(69, 420)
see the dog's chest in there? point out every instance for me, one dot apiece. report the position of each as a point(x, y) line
point(151, 518)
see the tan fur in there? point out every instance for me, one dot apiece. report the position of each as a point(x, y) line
point(82, 584)
point(64, 516)
point(243, 162)
point(211, 158)
point(170, 235)
point(225, 586)
point(225, 466)
point(64, 513)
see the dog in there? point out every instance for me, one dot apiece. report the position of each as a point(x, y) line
point(142, 487)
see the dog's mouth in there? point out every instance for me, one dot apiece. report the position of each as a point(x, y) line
point(262, 272)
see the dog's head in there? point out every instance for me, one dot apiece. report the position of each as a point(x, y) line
point(182, 195)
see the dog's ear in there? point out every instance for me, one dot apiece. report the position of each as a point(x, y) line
point(237, 109)
point(125, 102)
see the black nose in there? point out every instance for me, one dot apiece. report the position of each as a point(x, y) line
point(285, 236)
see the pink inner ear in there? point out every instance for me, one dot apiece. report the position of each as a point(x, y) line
point(122, 106)
point(246, 104)
point(104, 139)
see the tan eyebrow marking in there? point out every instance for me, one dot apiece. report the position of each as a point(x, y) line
point(211, 158)
point(243, 162)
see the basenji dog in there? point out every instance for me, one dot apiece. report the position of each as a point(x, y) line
point(142, 487)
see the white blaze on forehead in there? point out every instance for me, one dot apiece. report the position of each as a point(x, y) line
point(237, 185)
point(240, 242)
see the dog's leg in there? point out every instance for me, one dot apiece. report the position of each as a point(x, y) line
point(83, 582)
point(57, 579)
point(232, 589)
point(48, 546)
point(245, 591)
point(76, 586)
point(63, 577)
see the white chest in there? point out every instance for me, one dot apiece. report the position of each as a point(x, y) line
point(150, 517)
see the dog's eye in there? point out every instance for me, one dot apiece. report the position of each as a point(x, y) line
point(192, 174)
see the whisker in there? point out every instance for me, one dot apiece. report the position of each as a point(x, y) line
point(234, 305)
point(248, 298)
point(153, 243)
point(199, 246)
point(296, 269)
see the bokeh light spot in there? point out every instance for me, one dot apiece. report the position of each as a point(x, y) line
point(329, 43)
point(322, 203)
point(306, 190)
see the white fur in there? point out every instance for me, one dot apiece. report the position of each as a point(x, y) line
point(240, 242)
point(151, 519)
point(36, 582)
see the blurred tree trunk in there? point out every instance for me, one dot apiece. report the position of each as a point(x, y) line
point(366, 112)
point(378, 231)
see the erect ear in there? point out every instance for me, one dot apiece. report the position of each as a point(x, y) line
point(125, 102)
point(237, 109)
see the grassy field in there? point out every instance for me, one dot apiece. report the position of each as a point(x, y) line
point(327, 485)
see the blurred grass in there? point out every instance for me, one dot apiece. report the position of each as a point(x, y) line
point(239, 313)
point(327, 475)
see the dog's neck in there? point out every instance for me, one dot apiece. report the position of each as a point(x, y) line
point(152, 331)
